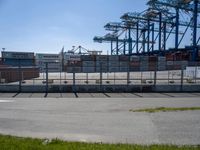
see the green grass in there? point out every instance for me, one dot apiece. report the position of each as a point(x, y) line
point(17, 143)
point(164, 109)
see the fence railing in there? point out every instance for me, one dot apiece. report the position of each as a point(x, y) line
point(157, 75)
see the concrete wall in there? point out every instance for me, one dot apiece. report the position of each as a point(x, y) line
point(103, 88)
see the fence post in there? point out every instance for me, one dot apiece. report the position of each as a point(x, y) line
point(182, 74)
point(128, 75)
point(74, 82)
point(155, 75)
point(20, 79)
point(195, 72)
point(47, 80)
point(101, 74)
point(60, 77)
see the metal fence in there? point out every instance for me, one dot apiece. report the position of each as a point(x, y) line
point(102, 77)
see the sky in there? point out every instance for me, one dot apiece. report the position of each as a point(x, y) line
point(47, 25)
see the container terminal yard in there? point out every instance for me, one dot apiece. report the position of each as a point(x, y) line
point(148, 50)
point(85, 95)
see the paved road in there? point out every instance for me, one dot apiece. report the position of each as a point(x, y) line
point(101, 119)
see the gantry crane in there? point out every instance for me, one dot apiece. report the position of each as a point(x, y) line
point(164, 17)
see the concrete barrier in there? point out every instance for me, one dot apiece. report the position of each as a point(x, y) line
point(101, 88)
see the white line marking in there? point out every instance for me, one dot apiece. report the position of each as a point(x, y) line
point(6, 101)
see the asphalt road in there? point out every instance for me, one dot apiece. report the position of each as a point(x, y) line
point(104, 119)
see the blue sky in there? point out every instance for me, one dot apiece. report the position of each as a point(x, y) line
point(47, 25)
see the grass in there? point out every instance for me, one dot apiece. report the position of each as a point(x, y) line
point(164, 109)
point(17, 143)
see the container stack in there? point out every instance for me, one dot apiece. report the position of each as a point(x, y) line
point(18, 58)
point(177, 65)
point(170, 65)
point(102, 63)
point(161, 63)
point(74, 66)
point(152, 63)
point(134, 64)
point(88, 63)
point(53, 61)
point(72, 63)
point(1, 62)
point(144, 63)
point(12, 74)
point(123, 63)
point(113, 63)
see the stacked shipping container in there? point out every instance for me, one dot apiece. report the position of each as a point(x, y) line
point(102, 63)
point(88, 63)
point(113, 63)
point(18, 58)
point(13, 74)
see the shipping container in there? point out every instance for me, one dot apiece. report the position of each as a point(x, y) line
point(113, 69)
point(161, 58)
point(13, 74)
point(72, 57)
point(43, 56)
point(17, 55)
point(88, 58)
point(113, 58)
point(124, 69)
point(144, 58)
point(152, 68)
point(161, 68)
point(17, 62)
point(1, 62)
point(169, 57)
point(101, 63)
point(152, 58)
point(123, 64)
point(124, 58)
point(74, 63)
point(134, 64)
point(178, 63)
point(131, 68)
point(169, 63)
point(161, 63)
point(88, 69)
point(134, 58)
point(102, 58)
point(103, 69)
point(113, 64)
point(74, 69)
point(144, 68)
point(88, 63)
